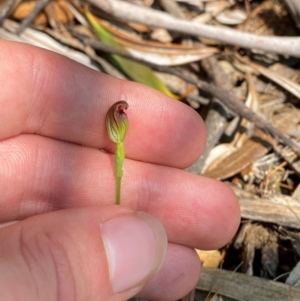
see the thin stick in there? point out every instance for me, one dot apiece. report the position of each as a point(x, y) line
point(130, 12)
point(6, 9)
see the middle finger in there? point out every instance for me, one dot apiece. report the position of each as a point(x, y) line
point(41, 174)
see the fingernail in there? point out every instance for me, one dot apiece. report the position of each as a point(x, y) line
point(136, 246)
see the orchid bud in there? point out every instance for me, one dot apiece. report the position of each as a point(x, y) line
point(117, 121)
point(117, 125)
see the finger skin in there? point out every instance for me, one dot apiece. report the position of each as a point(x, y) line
point(62, 256)
point(40, 172)
point(178, 276)
point(47, 94)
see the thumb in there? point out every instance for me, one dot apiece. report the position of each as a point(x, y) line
point(96, 253)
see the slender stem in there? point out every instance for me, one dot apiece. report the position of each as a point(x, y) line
point(119, 159)
point(118, 190)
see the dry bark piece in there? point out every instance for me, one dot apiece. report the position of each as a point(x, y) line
point(244, 288)
point(277, 209)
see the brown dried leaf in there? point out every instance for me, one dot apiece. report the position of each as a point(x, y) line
point(25, 8)
point(254, 148)
point(211, 259)
point(60, 10)
point(158, 53)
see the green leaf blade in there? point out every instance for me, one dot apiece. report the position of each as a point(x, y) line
point(134, 70)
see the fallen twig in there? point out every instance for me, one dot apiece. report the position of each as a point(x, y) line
point(129, 12)
point(6, 9)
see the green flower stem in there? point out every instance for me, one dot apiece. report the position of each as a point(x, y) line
point(119, 159)
point(117, 125)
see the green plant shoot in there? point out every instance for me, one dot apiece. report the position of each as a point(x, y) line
point(136, 71)
point(117, 125)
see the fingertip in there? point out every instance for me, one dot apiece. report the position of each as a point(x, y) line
point(171, 132)
point(224, 214)
point(177, 277)
point(136, 247)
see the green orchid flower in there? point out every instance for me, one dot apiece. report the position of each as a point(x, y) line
point(117, 125)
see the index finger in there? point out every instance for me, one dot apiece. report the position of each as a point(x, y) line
point(47, 94)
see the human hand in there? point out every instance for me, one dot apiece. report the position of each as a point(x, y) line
point(70, 241)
